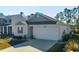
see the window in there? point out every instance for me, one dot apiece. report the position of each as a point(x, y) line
point(20, 29)
point(1, 21)
point(5, 21)
point(9, 20)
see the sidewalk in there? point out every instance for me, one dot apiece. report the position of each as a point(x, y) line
point(21, 49)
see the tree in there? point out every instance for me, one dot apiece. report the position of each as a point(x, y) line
point(71, 16)
point(57, 16)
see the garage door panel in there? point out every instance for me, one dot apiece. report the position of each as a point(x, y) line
point(46, 33)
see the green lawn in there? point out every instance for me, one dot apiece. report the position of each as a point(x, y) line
point(56, 48)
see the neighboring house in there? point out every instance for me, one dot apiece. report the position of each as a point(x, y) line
point(5, 29)
point(36, 26)
point(19, 25)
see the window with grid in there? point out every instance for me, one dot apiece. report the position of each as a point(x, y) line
point(20, 29)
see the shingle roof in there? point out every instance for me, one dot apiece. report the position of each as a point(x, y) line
point(3, 19)
point(16, 18)
point(40, 18)
point(2, 15)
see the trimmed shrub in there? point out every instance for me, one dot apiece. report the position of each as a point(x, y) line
point(65, 37)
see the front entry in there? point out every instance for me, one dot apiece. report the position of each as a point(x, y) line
point(5, 31)
point(31, 32)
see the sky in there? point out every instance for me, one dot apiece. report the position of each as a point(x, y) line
point(27, 10)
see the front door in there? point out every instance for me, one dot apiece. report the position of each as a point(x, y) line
point(5, 30)
point(9, 30)
point(31, 32)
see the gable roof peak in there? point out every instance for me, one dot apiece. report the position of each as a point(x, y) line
point(39, 18)
point(20, 23)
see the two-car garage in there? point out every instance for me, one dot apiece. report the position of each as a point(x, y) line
point(49, 32)
point(45, 27)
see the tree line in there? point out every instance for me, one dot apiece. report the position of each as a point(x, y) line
point(69, 16)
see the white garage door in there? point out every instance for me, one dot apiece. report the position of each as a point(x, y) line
point(46, 33)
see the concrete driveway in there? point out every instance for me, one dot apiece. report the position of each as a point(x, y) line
point(40, 44)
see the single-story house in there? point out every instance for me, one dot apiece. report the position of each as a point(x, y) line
point(35, 26)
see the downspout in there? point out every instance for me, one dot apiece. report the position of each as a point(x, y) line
point(59, 32)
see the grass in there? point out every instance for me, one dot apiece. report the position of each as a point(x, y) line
point(4, 43)
point(56, 48)
point(59, 47)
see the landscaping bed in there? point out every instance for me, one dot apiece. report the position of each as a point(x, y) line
point(16, 41)
point(72, 44)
